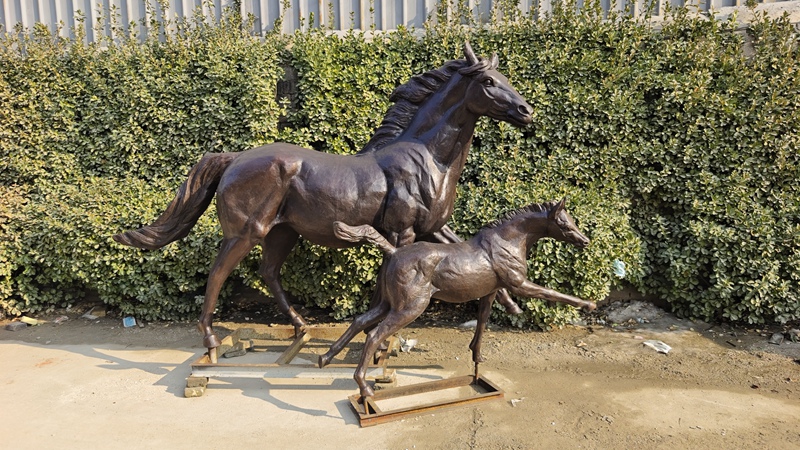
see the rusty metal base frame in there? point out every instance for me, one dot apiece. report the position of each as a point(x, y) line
point(369, 413)
point(245, 340)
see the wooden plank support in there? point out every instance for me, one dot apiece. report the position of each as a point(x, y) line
point(288, 355)
point(214, 366)
point(369, 412)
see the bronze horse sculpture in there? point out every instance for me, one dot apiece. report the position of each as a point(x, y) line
point(403, 182)
point(458, 272)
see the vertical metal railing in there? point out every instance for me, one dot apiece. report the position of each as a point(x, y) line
point(296, 14)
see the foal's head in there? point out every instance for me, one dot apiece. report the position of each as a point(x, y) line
point(561, 227)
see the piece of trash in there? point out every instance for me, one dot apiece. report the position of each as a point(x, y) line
point(89, 315)
point(580, 344)
point(776, 338)
point(60, 319)
point(794, 335)
point(470, 324)
point(16, 326)
point(140, 323)
point(514, 401)
point(658, 346)
point(31, 320)
point(406, 344)
point(618, 267)
point(128, 322)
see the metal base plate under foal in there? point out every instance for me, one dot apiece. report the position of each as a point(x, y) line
point(466, 390)
point(281, 339)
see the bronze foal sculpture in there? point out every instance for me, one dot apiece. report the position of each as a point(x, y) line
point(495, 258)
point(403, 182)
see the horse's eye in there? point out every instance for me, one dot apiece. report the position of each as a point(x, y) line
point(488, 82)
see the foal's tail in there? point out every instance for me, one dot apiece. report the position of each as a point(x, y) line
point(191, 200)
point(363, 233)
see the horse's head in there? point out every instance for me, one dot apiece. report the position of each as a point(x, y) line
point(490, 93)
point(562, 228)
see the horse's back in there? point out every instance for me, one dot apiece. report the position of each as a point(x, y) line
point(306, 189)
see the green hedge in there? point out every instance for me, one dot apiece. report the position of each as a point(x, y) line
point(676, 149)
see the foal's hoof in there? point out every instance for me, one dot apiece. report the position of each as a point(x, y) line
point(211, 341)
point(366, 392)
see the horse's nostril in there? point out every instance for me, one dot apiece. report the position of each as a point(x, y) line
point(525, 109)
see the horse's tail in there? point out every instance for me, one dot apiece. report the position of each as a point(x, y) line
point(363, 233)
point(191, 200)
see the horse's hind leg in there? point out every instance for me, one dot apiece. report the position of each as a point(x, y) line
point(276, 247)
point(362, 322)
point(484, 310)
point(394, 321)
point(232, 251)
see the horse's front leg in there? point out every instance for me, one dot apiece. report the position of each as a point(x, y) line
point(447, 235)
point(533, 290)
point(484, 310)
point(402, 238)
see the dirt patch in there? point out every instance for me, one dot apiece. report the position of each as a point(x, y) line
point(592, 385)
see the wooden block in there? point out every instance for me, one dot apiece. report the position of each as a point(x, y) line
point(196, 391)
point(197, 382)
point(389, 376)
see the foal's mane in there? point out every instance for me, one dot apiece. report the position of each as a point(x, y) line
point(409, 97)
point(532, 208)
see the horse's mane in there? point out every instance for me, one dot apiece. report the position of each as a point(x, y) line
point(532, 208)
point(409, 97)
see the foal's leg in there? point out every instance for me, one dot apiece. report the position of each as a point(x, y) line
point(362, 322)
point(232, 251)
point(447, 235)
point(394, 321)
point(275, 248)
point(484, 310)
point(533, 290)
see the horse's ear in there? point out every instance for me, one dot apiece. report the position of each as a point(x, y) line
point(469, 54)
point(495, 61)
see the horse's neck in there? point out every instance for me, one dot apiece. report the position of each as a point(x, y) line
point(445, 126)
point(525, 231)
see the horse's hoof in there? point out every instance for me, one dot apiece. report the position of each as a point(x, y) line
point(323, 361)
point(299, 329)
point(513, 308)
point(211, 341)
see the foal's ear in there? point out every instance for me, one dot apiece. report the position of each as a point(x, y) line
point(494, 62)
point(558, 208)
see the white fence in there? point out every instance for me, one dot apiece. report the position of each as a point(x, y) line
point(336, 14)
